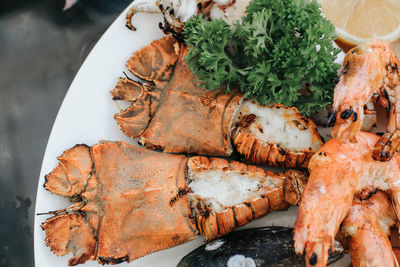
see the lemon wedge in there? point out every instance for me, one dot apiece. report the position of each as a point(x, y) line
point(357, 21)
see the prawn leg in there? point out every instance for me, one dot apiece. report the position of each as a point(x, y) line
point(389, 143)
point(387, 146)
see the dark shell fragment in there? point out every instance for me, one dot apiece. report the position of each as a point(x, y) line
point(266, 246)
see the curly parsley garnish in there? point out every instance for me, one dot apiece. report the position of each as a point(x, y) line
point(281, 52)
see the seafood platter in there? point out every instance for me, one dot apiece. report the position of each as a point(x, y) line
point(145, 162)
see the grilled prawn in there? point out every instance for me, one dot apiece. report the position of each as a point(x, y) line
point(130, 201)
point(339, 171)
point(366, 229)
point(170, 111)
point(370, 72)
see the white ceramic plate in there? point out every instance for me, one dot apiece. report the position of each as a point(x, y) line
point(86, 116)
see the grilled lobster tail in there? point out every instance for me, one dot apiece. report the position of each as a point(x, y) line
point(130, 201)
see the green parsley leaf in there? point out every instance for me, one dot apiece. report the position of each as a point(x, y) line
point(280, 52)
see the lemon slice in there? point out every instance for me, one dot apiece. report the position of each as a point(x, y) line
point(357, 21)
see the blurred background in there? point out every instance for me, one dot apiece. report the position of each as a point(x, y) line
point(41, 50)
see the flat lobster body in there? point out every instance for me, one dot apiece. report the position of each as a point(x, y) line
point(133, 188)
point(138, 196)
point(188, 118)
point(130, 201)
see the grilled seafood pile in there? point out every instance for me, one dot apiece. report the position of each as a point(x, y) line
point(162, 200)
point(339, 171)
point(170, 111)
point(130, 201)
point(345, 173)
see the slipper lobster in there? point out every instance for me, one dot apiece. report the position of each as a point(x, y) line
point(170, 111)
point(370, 72)
point(130, 201)
point(340, 171)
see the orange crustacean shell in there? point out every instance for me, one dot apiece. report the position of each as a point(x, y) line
point(172, 112)
point(256, 151)
point(130, 201)
point(366, 229)
point(128, 213)
point(188, 118)
point(340, 171)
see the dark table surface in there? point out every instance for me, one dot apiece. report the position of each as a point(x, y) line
point(41, 49)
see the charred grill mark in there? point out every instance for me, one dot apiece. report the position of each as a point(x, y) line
point(388, 107)
point(235, 218)
point(166, 28)
point(206, 213)
point(370, 194)
point(231, 227)
point(355, 116)
point(345, 68)
point(301, 159)
point(181, 192)
point(254, 142)
point(107, 260)
point(251, 210)
point(246, 120)
point(388, 66)
point(395, 68)
point(217, 226)
point(385, 154)
point(234, 130)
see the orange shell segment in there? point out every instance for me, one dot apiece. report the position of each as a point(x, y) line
point(191, 119)
point(139, 217)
